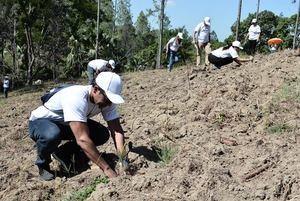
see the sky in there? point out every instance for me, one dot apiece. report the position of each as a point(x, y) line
point(223, 13)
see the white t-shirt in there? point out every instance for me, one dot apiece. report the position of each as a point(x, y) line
point(202, 33)
point(6, 83)
point(230, 52)
point(254, 32)
point(173, 44)
point(76, 106)
point(98, 64)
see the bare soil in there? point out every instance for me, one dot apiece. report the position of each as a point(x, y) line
point(217, 122)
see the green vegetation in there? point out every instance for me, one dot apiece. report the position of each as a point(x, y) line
point(289, 92)
point(166, 153)
point(283, 101)
point(278, 128)
point(56, 39)
point(220, 117)
point(86, 192)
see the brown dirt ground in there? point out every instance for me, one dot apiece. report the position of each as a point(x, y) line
point(215, 120)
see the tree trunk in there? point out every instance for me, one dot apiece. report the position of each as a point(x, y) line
point(14, 49)
point(238, 20)
point(161, 30)
point(257, 10)
point(30, 54)
point(97, 31)
point(296, 27)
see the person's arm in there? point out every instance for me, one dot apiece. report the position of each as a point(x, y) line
point(193, 37)
point(98, 71)
point(117, 134)
point(81, 133)
point(239, 60)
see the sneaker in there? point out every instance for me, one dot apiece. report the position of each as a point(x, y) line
point(46, 174)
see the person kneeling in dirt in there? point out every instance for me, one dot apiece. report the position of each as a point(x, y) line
point(67, 116)
point(226, 55)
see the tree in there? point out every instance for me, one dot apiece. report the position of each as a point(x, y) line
point(257, 9)
point(161, 30)
point(238, 20)
point(296, 26)
point(126, 31)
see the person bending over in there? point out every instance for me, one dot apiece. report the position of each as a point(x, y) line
point(67, 116)
point(226, 55)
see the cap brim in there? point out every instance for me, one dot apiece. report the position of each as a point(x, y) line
point(241, 48)
point(114, 98)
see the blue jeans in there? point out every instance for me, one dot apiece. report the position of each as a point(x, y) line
point(90, 72)
point(48, 135)
point(172, 59)
point(5, 92)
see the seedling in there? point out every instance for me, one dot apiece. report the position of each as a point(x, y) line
point(166, 153)
point(220, 117)
point(86, 192)
point(278, 128)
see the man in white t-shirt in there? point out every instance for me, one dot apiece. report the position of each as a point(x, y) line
point(67, 116)
point(201, 39)
point(6, 86)
point(253, 36)
point(97, 66)
point(172, 48)
point(226, 55)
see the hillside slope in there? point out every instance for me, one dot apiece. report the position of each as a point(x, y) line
point(234, 133)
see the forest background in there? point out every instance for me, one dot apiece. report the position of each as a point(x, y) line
point(55, 39)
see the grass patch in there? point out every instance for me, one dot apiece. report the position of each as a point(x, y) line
point(278, 128)
point(86, 192)
point(165, 153)
point(289, 92)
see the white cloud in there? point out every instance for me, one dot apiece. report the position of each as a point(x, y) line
point(171, 2)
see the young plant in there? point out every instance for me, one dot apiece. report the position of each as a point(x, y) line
point(220, 118)
point(86, 192)
point(166, 153)
point(278, 128)
point(123, 157)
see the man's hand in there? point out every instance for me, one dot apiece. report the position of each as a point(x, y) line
point(110, 172)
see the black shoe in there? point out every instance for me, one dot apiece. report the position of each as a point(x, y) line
point(46, 174)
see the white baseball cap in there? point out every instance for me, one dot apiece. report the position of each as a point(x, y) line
point(237, 44)
point(180, 35)
point(112, 63)
point(207, 21)
point(254, 20)
point(111, 83)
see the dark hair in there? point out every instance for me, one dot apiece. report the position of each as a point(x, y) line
point(226, 47)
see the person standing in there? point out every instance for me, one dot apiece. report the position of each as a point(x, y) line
point(253, 36)
point(172, 47)
point(201, 39)
point(6, 86)
point(99, 65)
point(67, 116)
point(226, 55)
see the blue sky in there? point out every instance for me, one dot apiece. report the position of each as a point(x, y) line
point(223, 13)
